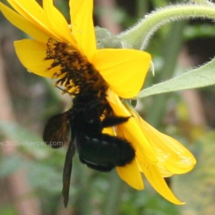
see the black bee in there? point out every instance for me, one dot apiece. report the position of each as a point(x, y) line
point(97, 150)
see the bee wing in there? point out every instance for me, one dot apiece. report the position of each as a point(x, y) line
point(56, 130)
point(67, 172)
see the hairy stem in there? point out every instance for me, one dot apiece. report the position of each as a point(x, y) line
point(139, 36)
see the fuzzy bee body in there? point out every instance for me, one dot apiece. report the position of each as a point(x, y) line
point(97, 150)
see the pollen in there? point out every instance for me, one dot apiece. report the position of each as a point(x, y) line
point(75, 75)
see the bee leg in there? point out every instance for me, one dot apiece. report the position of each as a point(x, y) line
point(114, 120)
point(67, 172)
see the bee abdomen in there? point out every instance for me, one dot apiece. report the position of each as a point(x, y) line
point(104, 150)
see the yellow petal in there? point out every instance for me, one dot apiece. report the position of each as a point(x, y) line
point(156, 180)
point(130, 130)
point(58, 22)
point(163, 171)
point(124, 70)
point(131, 175)
point(32, 11)
point(23, 24)
point(32, 53)
point(172, 155)
point(82, 26)
point(109, 131)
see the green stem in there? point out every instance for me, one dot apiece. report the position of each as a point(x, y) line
point(139, 35)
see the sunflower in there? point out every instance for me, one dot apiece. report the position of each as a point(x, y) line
point(123, 70)
point(69, 54)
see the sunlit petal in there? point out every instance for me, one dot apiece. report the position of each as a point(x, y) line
point(58, 22)
point(32, 55)
point(163, 171)
point(174, 157)
point(32, 11)
point(123, 69)
point(130, 129)
point(29, 9)
point(82, 26)
point(131, 175)
point(23, 24)
point(156, 180)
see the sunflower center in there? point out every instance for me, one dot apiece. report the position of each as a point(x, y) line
point(75, 73)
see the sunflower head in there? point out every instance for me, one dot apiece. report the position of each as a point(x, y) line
point(68, 52)
point(75, 72)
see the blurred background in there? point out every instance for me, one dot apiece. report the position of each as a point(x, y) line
point(31, 172)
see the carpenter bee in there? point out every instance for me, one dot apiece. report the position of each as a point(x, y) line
point(97, 150)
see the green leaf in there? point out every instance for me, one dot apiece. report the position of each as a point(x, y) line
point(200, 77)
point(139, 35)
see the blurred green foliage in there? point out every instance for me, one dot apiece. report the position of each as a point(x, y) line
point(197, 187)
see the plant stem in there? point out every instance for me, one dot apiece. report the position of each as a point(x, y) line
point(138, 36)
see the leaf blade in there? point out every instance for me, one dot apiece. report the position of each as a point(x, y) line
point(196, 78)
